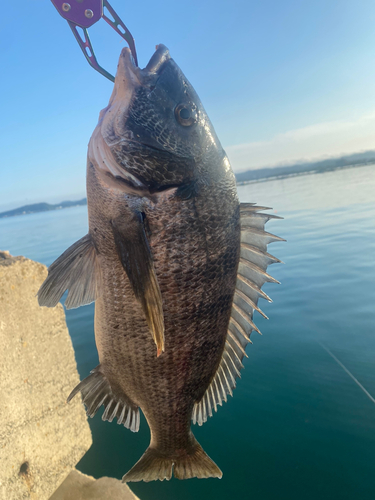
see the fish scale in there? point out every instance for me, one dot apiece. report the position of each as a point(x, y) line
point(180, 332)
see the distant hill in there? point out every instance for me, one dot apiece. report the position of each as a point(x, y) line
point(354, 160)
point(42, 207)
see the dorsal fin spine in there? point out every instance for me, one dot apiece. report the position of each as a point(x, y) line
point(253, 287)
point(224, 392)
point(229, 373)
point(240, 329)
point(213, 396)
point(252, 304)
point(246, 317)
point(258, 270)
point(230, 334)
point(233, 350)
point(234, 365)
point(251, 248)
point(247, 207)
point(219, 401)
point(260, 232)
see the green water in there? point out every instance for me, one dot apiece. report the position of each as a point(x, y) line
point(298, 426)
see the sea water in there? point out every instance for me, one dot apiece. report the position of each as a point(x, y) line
point(301, 423)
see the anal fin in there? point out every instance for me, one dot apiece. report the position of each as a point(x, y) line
point(96, 392)
point(76, 270)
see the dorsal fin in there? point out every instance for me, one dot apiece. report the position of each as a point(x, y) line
point(251, 276)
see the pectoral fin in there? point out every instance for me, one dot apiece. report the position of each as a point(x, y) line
point(136, 258)
point(76, 270)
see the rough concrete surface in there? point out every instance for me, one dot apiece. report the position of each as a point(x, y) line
point(77, 486)
point(41, 437)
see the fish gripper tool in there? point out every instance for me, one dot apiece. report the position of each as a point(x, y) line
point(83, 14)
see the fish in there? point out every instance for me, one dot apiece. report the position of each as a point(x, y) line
point(173, 261)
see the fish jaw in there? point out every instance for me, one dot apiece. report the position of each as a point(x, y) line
point(128, 79)
point(109, 126)
point(126, 82)
point(111, 129)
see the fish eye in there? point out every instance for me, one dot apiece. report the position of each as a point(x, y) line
point(185, 114)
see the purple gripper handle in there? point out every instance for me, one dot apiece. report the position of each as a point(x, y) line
point(85, 13)
point(79, 12)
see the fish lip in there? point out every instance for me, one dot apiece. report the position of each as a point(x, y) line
point(154, 66)
point(158, 59)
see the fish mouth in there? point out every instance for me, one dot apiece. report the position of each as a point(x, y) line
point(127, 65)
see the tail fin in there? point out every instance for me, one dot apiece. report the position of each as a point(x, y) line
point(197, 464)
point(153, 466)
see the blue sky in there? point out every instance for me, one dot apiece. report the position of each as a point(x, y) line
point(281, 81)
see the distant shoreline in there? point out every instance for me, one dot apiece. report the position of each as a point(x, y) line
point(243, 178)
point(311, 167)
point(41, 207)
point(299, 174)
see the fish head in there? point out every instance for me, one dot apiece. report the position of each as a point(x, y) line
point(155, 133)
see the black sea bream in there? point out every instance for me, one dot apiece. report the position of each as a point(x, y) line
point(175, 284)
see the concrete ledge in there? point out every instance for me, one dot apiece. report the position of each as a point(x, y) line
point(41, 437)
point(78, 486)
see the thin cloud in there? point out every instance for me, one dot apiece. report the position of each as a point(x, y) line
point(314, 142)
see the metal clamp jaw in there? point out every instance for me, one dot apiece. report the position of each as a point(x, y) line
point(85, 13)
